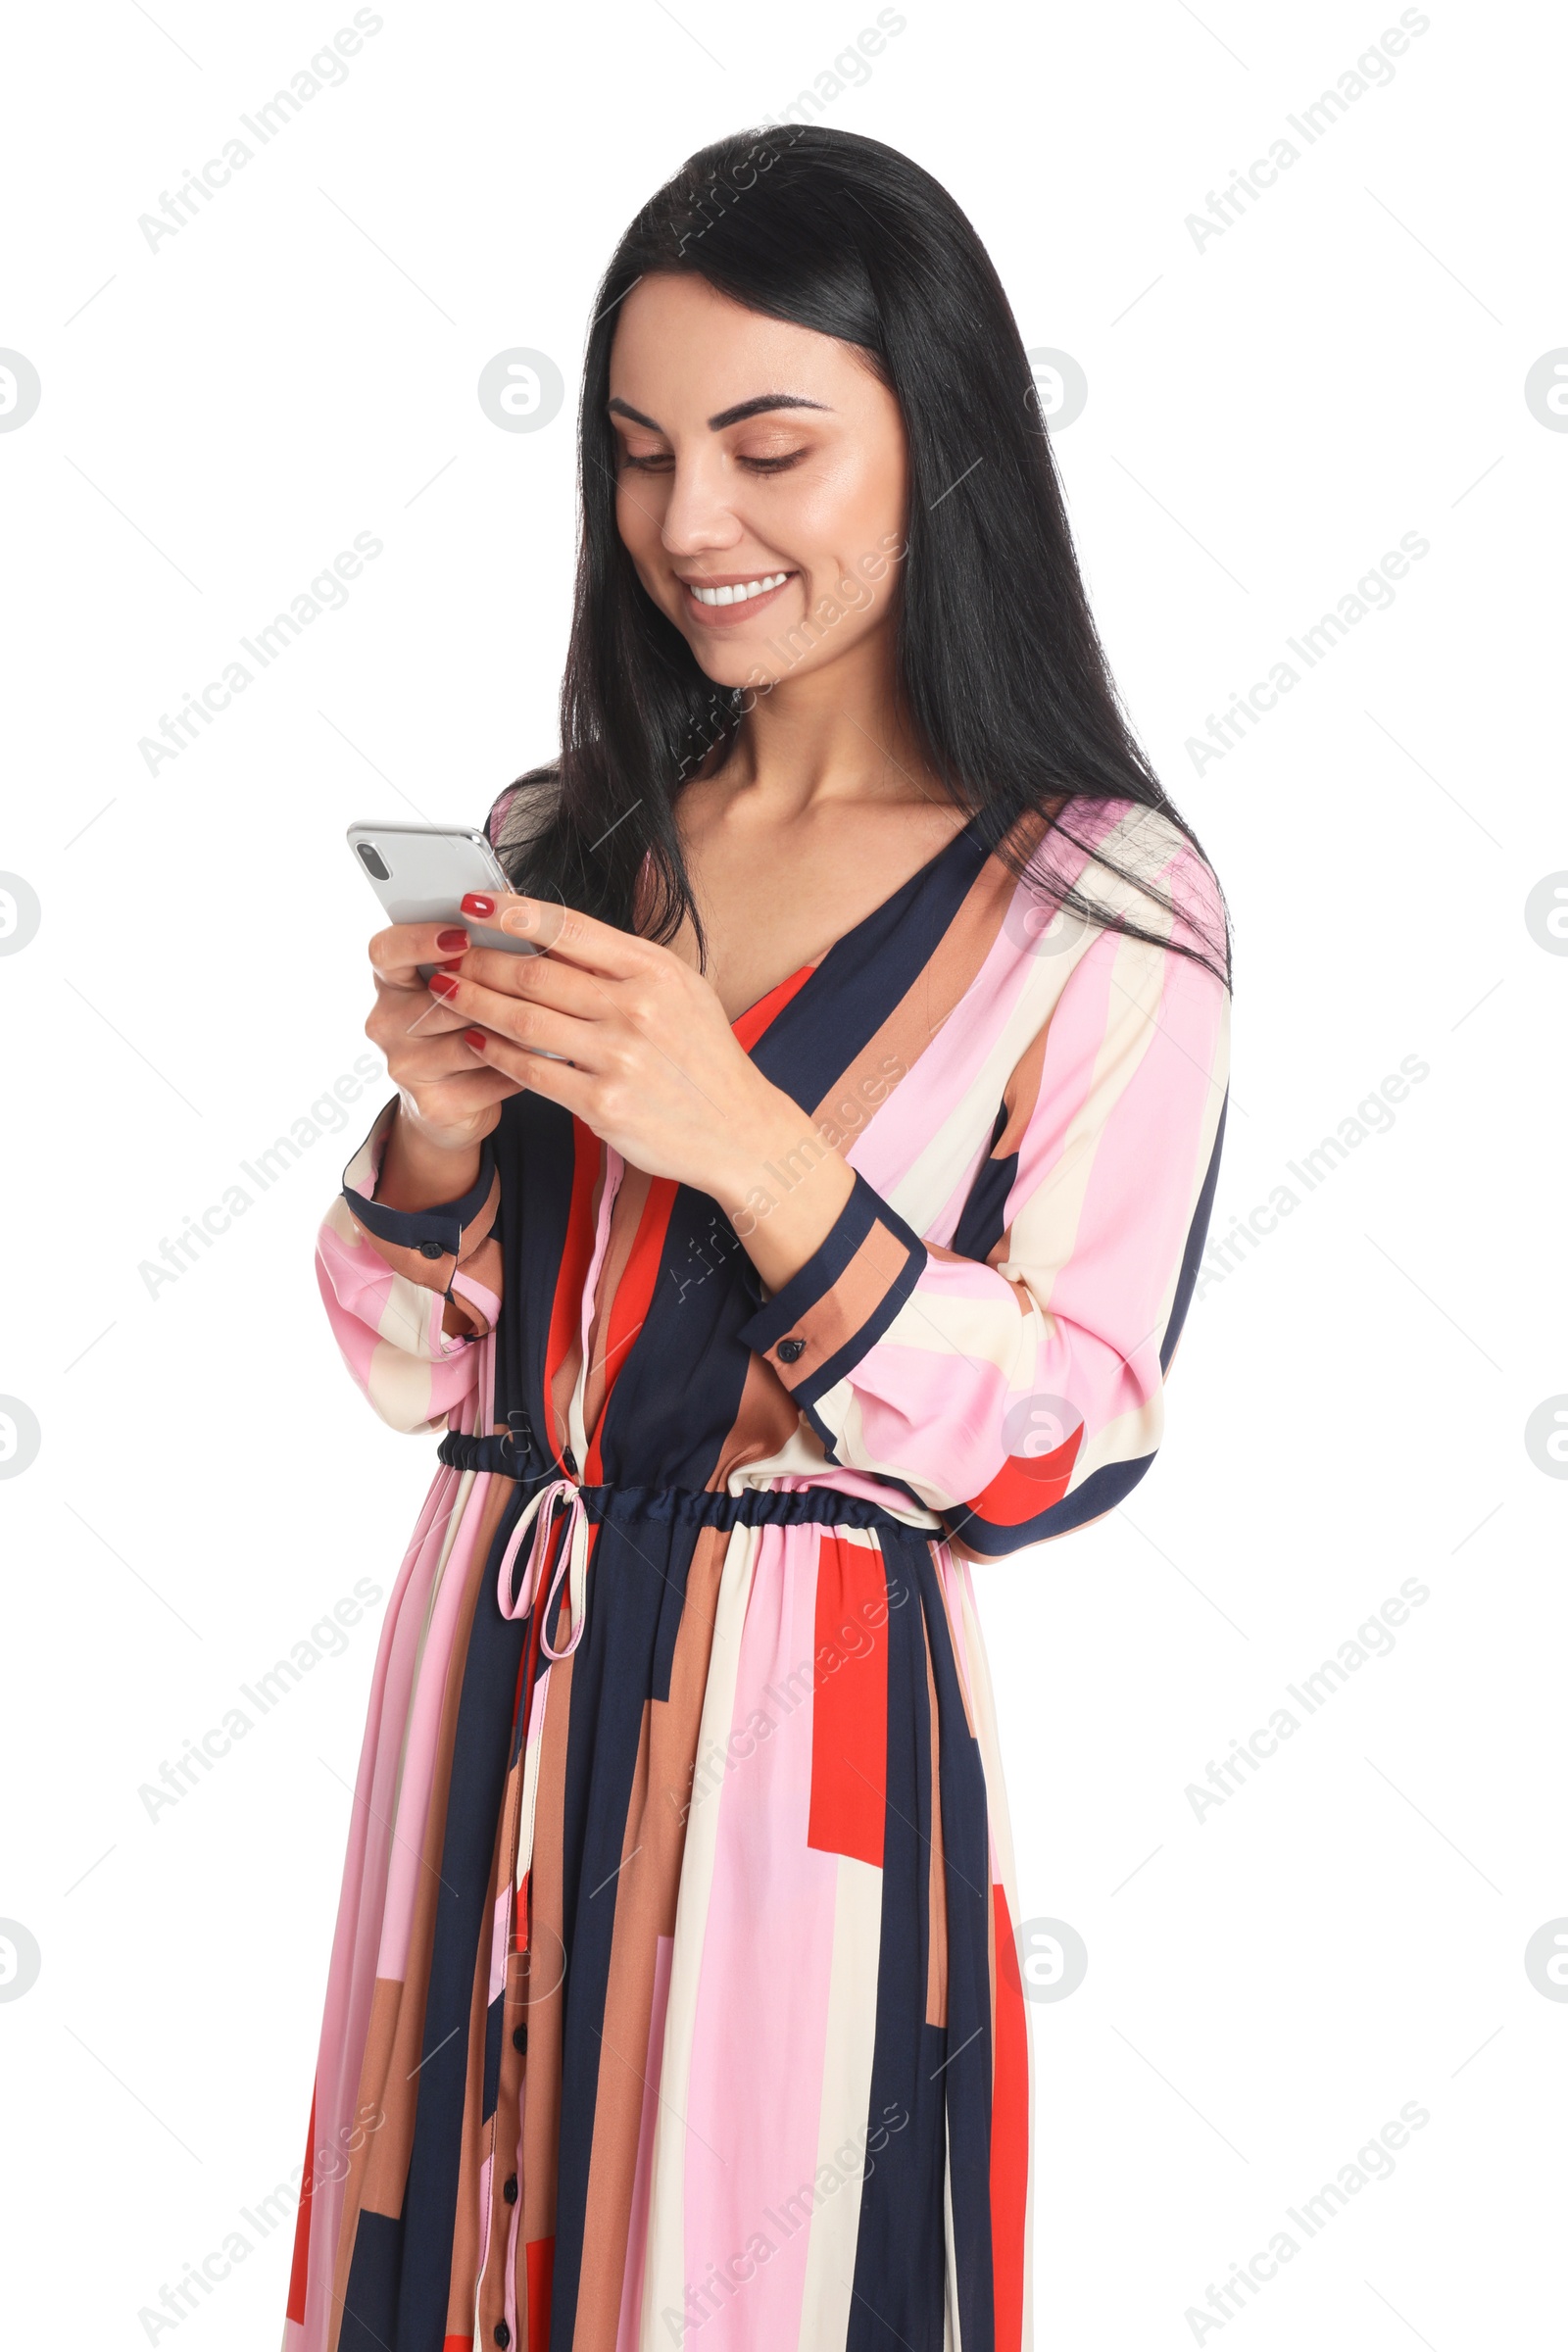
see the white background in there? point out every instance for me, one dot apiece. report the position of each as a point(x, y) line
point(1268, 414)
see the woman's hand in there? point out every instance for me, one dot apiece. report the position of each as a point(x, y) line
point(448, 1099)
point(650, 1062)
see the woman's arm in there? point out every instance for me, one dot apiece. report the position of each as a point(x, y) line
point(410, 1290)
point(1013, 1381)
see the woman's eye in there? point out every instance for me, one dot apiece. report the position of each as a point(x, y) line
point(773, 465)
point(654, 461)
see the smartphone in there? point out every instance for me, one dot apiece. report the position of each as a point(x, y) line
point(421, 874)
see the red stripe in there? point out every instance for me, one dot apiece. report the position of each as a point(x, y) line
point(850, 1702)
point(302, 2228)
point(1010, 2136)
point(628, 1309)
point(1027, 1485)
point(540, 2260)
point(755, 1018)
point(566, 1309)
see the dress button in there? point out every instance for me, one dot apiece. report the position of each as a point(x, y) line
point(570, 1460)
point(503, 2334)
point(519, 2037)
point(789, 1350)
point(431, 1249)
point(509, 2189)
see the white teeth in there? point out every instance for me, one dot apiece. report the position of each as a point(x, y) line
point(737, 596)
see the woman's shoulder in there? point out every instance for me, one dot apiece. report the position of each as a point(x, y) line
point(1140, 863)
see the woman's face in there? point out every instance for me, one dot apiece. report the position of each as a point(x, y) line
point(761, 481)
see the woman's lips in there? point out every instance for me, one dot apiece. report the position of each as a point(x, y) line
point(728, 617)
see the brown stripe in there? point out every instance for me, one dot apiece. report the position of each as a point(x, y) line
point(435, 1273)
point(644, 1895)
point(476, 2133)
point(624, 1217)
point(888, 1057)
point(844, 1309)
point(764, 1422)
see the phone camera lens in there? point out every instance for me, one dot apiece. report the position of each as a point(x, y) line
point(373, 861)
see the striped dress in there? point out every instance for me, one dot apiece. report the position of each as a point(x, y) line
point(675, 1997)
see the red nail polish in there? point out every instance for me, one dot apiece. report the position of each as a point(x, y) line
point(453, 942)
point(475, 903)
point(476, 1040)
point(442, 984)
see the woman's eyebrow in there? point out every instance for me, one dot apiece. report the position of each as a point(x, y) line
point(726, 417)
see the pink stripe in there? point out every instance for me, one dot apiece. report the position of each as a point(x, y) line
point(761, 2020)
point(920, 1106)
point(351, 1977)
point(407, 1864)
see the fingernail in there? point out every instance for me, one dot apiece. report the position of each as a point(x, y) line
point(442, 984)
point(453, 942)
point(474, 1039)
point(475, 903)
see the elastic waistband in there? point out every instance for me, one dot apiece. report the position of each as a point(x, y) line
point(691, 1506)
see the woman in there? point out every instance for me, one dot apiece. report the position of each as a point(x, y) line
point(818, 1214)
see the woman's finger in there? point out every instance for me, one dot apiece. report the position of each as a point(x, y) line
point(578, 939)
point(519, 1020)
point(397, 952)
point(557, 1081)
point(540, 980)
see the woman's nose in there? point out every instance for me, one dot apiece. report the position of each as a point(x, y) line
point(699, 517)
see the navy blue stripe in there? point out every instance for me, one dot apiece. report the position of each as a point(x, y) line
point(481, 1743)
point(900, 2253)
point(862, 1212)
point(830, 1020)
point(968, 2057)
point(984, 1217)
point(1099, 1493)
point(408, 1228)
point(1191, 1257)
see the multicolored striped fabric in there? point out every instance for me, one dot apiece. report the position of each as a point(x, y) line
point(674, 1998)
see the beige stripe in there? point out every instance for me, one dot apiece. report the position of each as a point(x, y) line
point(827, 2296)
point(543, 1981)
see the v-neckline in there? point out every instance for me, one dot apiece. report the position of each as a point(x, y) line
point(773, 1000)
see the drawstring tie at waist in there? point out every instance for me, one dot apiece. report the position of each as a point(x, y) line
point(539, 1515)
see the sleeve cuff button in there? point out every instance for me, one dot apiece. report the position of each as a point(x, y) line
point(431, 1249)
point(790, 1350)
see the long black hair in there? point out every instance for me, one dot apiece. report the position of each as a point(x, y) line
point(999, 671)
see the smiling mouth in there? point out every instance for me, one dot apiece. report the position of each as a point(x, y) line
point(715, 603)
